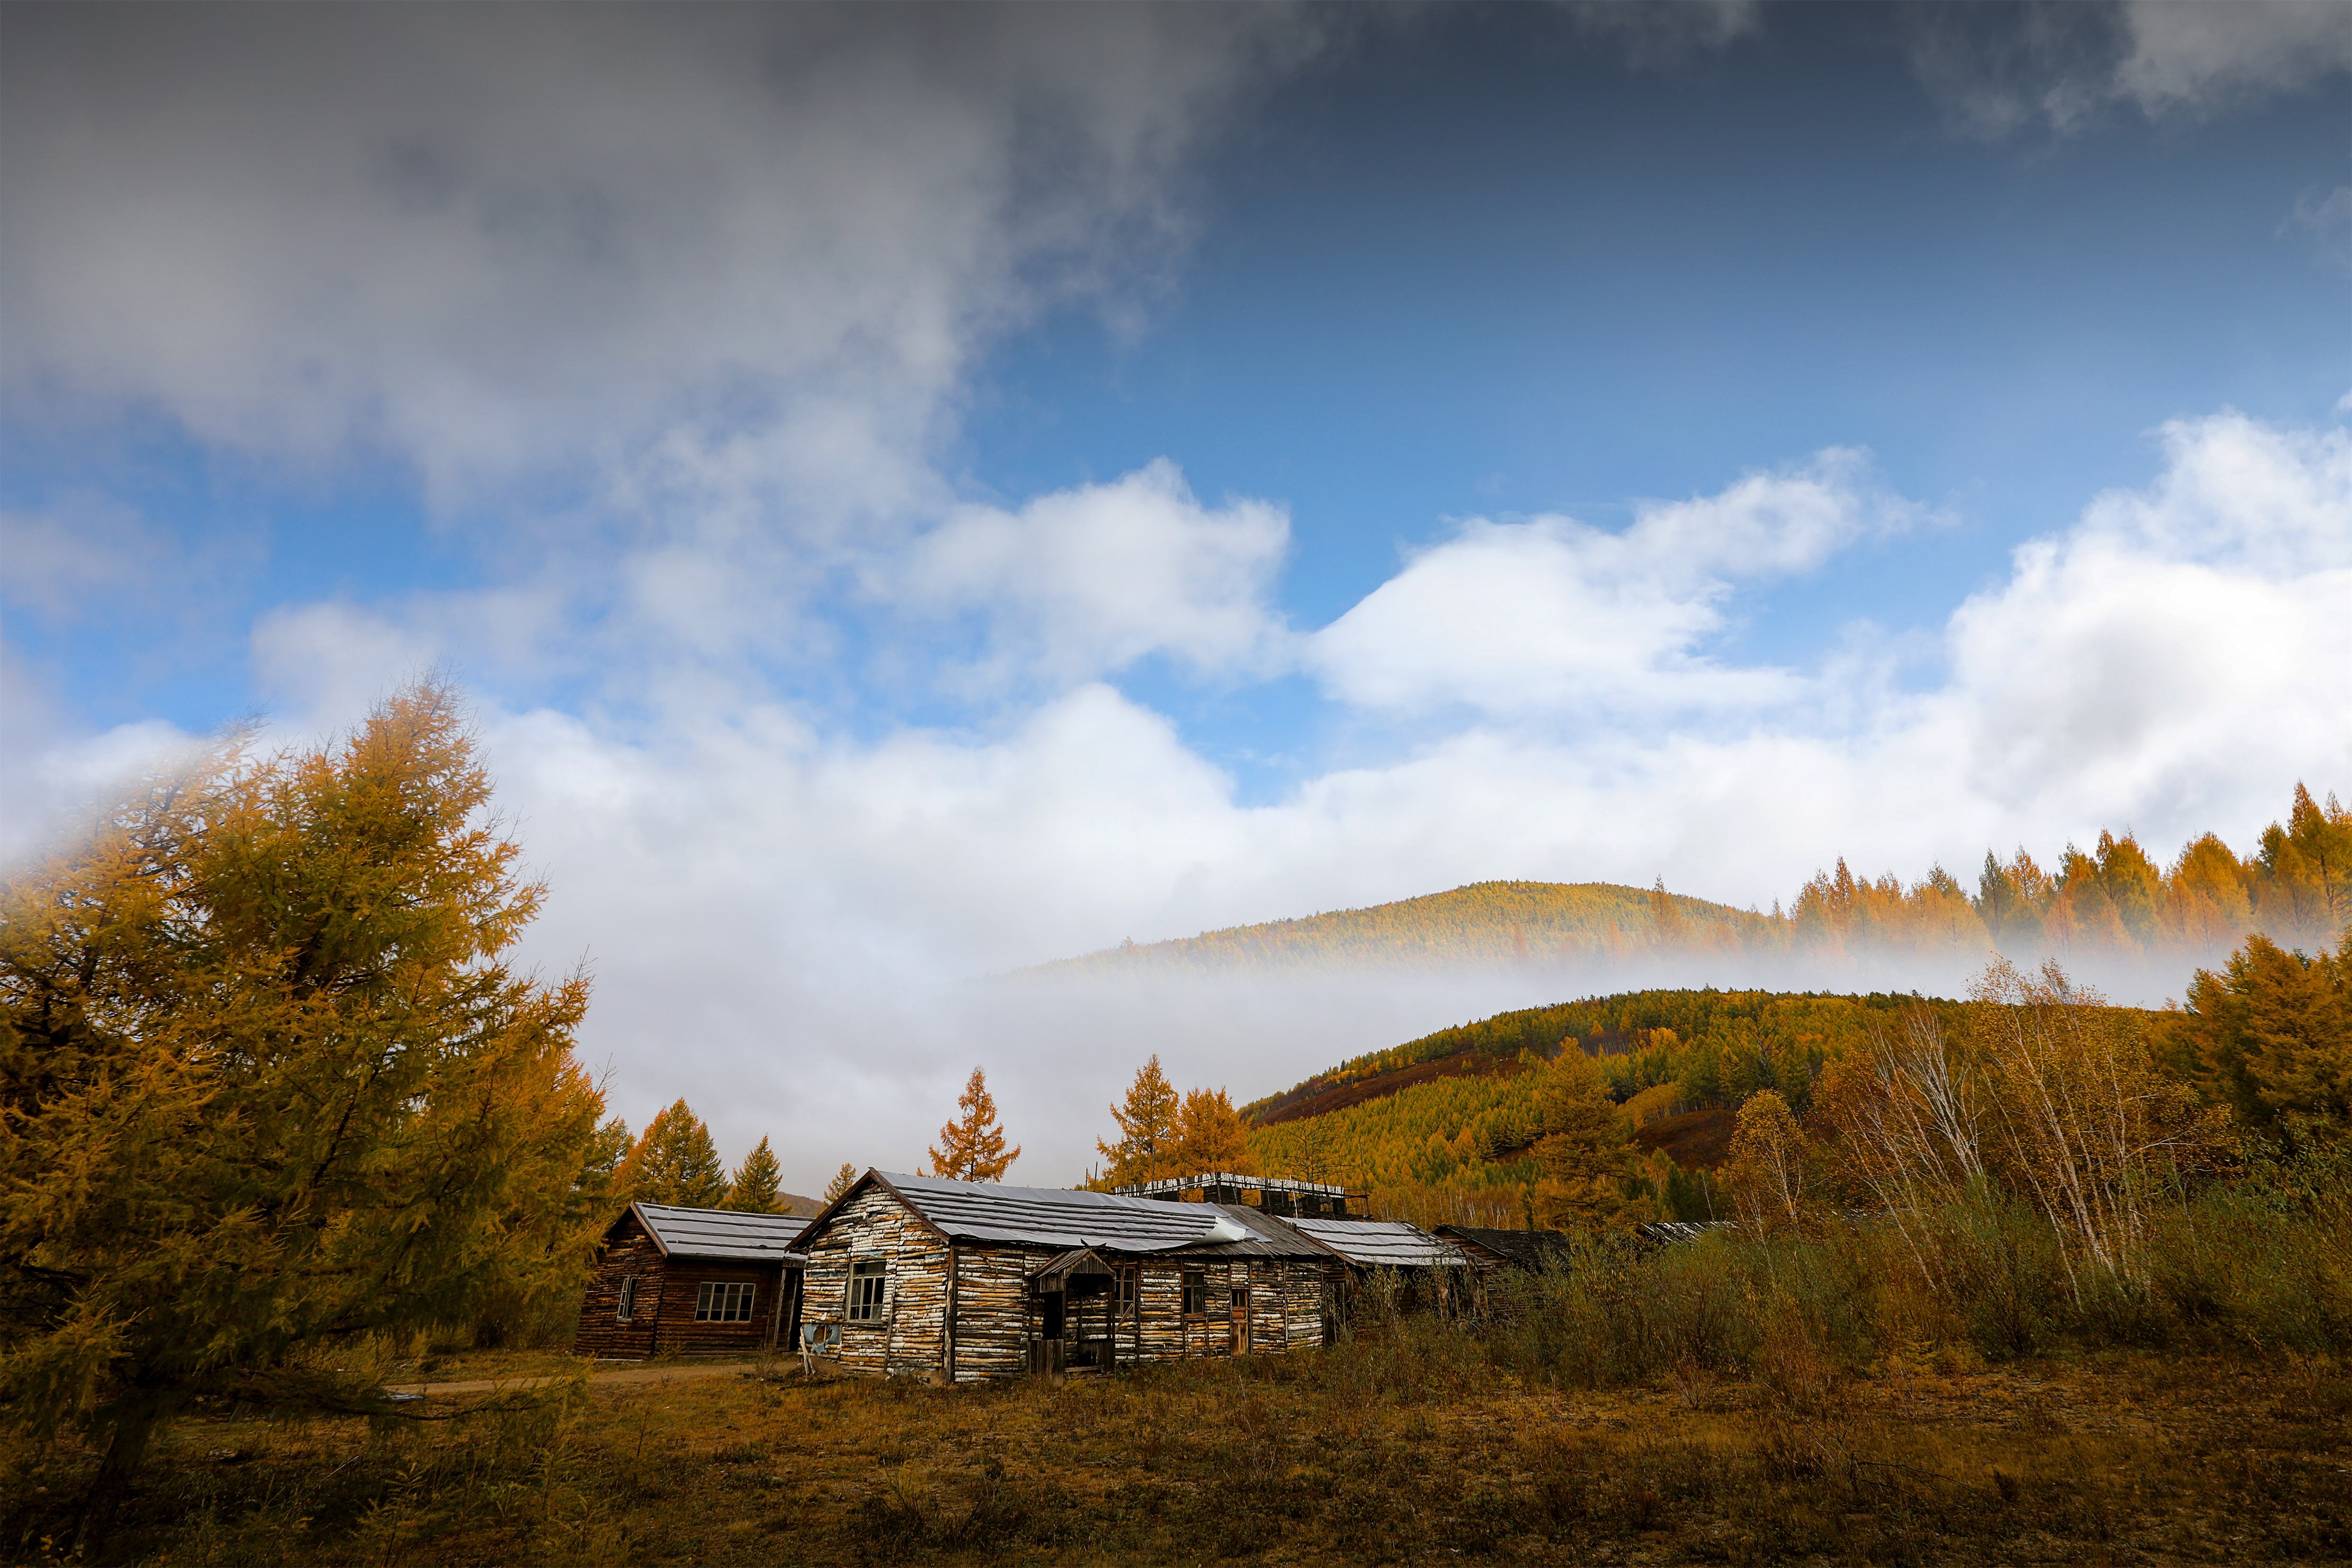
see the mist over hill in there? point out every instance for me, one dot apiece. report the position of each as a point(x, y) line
point(1480, 922)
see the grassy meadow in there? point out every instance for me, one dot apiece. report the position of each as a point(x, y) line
point(1794, 1400)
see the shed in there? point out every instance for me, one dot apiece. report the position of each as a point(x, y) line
point(692, 1282)
point(1429, 1269)
point(976, 1280)
point(1530, 1250)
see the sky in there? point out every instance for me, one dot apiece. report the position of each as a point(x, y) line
point(915, 492)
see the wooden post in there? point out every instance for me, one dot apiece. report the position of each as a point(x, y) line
point(948, 1319)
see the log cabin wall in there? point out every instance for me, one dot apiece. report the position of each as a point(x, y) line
point(972, 1306)
point(661, 1320)
point(676, 1331)
point(630, 1253)
point(990, 1311)
point(907, 1336)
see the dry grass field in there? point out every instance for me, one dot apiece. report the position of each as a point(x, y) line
point(1396, 1447)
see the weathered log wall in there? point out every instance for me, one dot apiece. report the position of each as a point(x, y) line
point(662, 1322)
point(982, 1315)
point(602, 1333)
point(991, 1327)
point(908, 1335)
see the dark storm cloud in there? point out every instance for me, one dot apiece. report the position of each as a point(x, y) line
point(488, 239)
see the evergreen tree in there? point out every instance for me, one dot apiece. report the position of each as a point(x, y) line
point(1584, 1154)
point(2273, 1034)
point(971, 1147)
point(1210, 1135)
point(1147, 1130)
point(759, 1184)
point(268, 1083)
point(674, 1162)
point(843, 1180)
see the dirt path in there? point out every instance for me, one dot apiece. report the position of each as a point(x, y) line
point(600, 1377)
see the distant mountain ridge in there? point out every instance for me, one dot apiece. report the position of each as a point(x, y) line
point(1483, 922)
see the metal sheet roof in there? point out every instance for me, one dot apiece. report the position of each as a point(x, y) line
point(1050, 1216)
point(723, 1233)
point(1383, 1243)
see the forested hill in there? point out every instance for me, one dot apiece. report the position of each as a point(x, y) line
point(1485, 922)
point(1628, 1025)
point(1444, 1128)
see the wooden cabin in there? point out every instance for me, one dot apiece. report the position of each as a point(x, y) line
point(973, 1280)
point(1533, 1251)
point(692, 1282)
point(1428, 1273)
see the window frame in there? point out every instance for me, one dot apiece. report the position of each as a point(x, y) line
point(866, 1313)
point(624, 1310)
point(1192, 1294)
point(716, 1301)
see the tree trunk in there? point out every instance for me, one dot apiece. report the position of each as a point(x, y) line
point(134, 1427)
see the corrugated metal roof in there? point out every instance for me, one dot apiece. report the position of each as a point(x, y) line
point(1050, 1216)
point(1383, 1243)
point(723, 1233)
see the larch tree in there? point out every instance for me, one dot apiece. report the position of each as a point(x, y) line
point(2273, 1033)
point(843, 1180)
point(1147, 1129)
point(759, 1184)
point(269, 1085)
point(1210, 1135)
point(1583, 1156)
point(1767, 1168)
point(675, 1161)
point(971, 1147)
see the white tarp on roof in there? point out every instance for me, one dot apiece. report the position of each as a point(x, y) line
point(1384, 1243)
point(1051, 1217)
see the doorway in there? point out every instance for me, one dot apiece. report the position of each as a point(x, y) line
point(1241, 1320)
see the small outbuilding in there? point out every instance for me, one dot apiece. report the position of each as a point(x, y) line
point(1429, 1271)
point(971, 1281)
point(692, 1282)
point(1533, 1251)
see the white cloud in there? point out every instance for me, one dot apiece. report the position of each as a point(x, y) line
point(1086, 581)
point(783, 918)
point(2199, 57)
point(2000, 68)
point(1553, 613)
point(62, 563)
point(496, 242)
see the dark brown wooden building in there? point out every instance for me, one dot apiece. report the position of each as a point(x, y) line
point(975, 1280)
point(692, 1282)
point(1530, 1250)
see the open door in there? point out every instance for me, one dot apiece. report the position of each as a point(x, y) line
point(1077, 1313)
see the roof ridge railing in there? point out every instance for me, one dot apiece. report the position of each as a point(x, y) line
point(1231, 1178)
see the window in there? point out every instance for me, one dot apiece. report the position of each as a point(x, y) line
point(1196, 1293)
point(1126, 1292)
point(868, 1281)
point(723, 1301)
point(628, 1307)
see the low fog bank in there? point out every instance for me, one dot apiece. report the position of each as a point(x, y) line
point(866, 1073)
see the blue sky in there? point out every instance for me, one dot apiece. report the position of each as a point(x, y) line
point(915, 492)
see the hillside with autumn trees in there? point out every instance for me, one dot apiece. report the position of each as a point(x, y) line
point(1452, 1126)
point(2114, 900)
